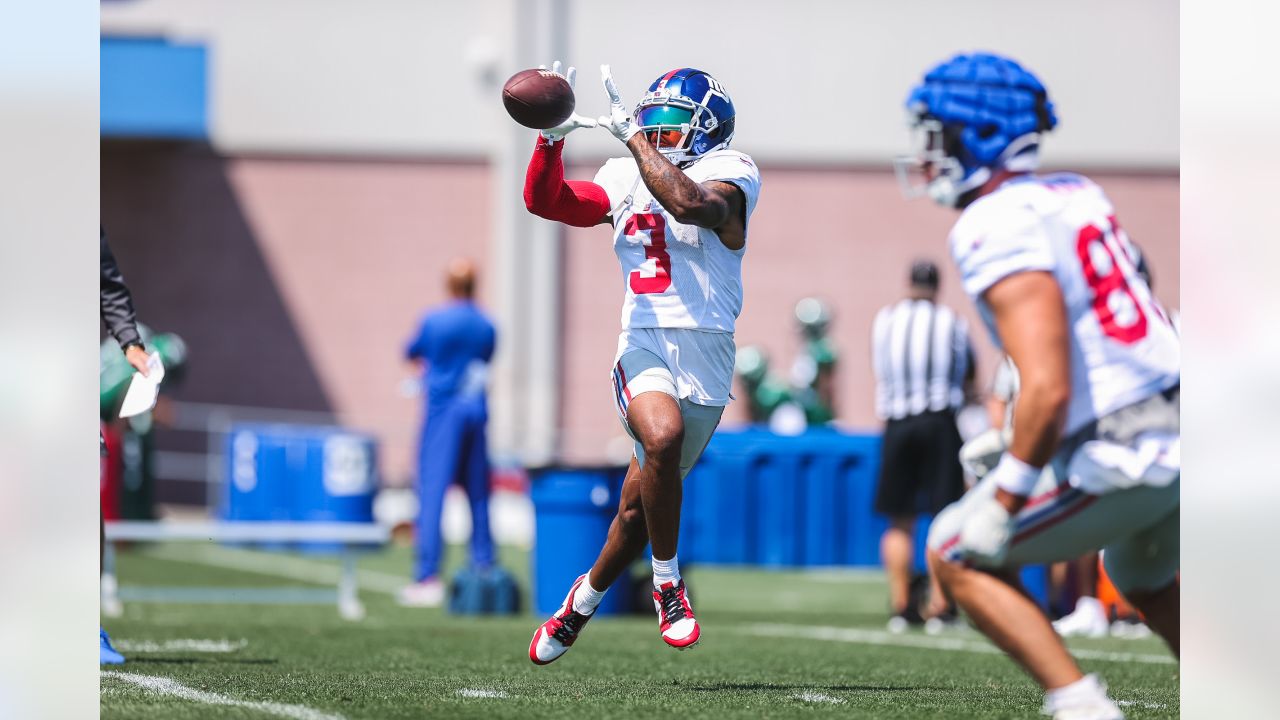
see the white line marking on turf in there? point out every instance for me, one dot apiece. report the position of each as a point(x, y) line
point(180, 645)
point(171, 687)
point(481, 693)
point(814, 697)
point(880, 637)
point(1135, 703)
point(279, 565)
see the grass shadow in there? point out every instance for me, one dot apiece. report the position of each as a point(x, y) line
point(200, 661)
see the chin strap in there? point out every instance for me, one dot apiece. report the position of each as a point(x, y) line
point(1021, 155)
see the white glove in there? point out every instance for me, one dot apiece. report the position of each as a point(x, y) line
point(619, 120)
point(986, 532)
point(574, 120)
point(980, 455)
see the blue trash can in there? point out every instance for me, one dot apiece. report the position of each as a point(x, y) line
point(573, 508)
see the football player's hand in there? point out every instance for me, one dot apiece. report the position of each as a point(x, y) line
point(619, 120)
point(986, 532)
point(980, 455)
point(574, 120)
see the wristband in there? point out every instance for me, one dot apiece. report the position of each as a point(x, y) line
point(131, 343)
point(1015, 476)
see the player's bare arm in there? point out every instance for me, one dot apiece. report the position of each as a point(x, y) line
point(714, 205)
point(1031, 318)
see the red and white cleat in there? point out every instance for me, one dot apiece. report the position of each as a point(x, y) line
point(555, 636)
point(675, 616)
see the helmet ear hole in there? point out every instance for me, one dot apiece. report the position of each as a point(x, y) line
point(724, 129)
point(987, 131)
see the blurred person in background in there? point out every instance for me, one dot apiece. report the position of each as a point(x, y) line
point(765, 393)
point(1099, 370)
point(120, 319)
point(922, 360)
point(452, 349)
point(679, 205)
point(813, 373)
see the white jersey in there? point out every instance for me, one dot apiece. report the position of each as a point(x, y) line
point(676, 275)
point(1123, 347)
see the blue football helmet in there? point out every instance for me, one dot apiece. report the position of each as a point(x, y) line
point(973, 115)
point(686, 114)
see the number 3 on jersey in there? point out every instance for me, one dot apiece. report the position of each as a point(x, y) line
point(1118, 309)
point(652, 228)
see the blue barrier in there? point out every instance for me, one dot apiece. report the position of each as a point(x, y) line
point(755, 498)
point(299, 473)
point(573, 508)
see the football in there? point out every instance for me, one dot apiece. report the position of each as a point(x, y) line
point(538, 99)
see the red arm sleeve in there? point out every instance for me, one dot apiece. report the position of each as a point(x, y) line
point(548, 195)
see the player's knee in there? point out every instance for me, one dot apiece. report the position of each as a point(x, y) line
point(663, 439)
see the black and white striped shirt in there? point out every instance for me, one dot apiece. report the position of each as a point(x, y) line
point(920, 353)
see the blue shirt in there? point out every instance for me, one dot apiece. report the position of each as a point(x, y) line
point(456, 341)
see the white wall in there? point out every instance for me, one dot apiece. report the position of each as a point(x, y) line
point(815, 81)
point(340, 76)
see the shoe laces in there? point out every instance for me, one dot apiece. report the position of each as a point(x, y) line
point(672, 604)
point(570, 624)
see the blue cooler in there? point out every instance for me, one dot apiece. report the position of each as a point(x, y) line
point(300, 473)
point(572, 509)
point(337, 482)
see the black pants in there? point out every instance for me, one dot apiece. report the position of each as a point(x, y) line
point(919, 465)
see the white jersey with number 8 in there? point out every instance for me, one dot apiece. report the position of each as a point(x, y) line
point(1123, 347)
point(676, 275)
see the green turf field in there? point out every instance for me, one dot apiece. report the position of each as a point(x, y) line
point(775, 644)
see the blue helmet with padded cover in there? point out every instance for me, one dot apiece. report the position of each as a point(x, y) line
point(978, 113)
point(686, 114)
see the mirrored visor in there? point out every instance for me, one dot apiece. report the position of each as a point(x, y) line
point(664, 115)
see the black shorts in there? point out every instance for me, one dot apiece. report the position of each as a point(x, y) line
point(919, 465)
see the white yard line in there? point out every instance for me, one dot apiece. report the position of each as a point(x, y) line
point(927, 642)
point(180, 645)
point(1135, 703)
point(481, 693)
point(279, 565)
point(173, 688)
point(814, 697)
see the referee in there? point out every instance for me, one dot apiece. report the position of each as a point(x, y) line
point(923, 363)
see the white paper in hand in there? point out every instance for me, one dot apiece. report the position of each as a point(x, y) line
point(143, 389)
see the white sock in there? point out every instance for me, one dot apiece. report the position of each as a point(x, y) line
point(1082, 691)
point(666, 571)
point(1086, 603)
point(587, 597)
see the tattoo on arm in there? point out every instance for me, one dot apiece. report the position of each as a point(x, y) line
point(686, 200)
